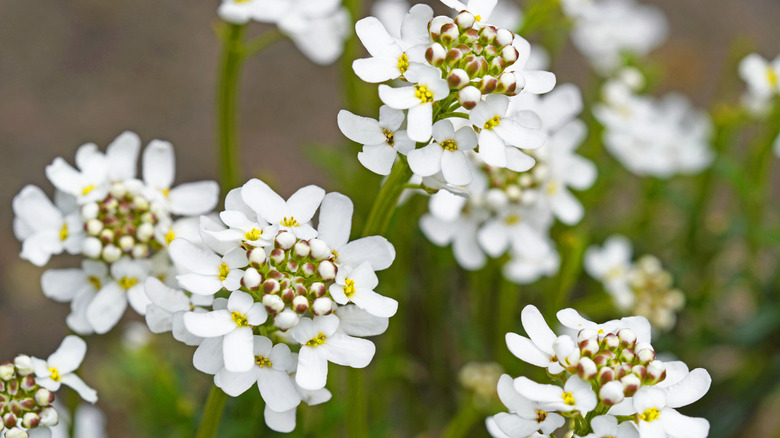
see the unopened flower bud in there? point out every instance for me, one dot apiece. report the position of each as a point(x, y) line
point(322, 306)
point(126, 243)
point(107, 235)
point(302, 248)
point(611, 393)
point(286, 320)
point(285, 239)
point(627, 337)
point(251, 279)
point(16, 433)
point(31, 420)
point(509, 54)
point(586, 334)
point(43, 397)
point(288, 294)
point(292, 266)
point(627, 355)
point(9, 420)
point(435, 27)
point(605, 374)
point(91, 247)
point(94, 227)
point(487, 35)
point(464, 20)
point(24, 365)
point(469, 37)
point(451, 57)
point(140, 203)
point(469, 97)
point(319, 249)
point(586, 368)
point(566, 350)
point(436, 54)
point(490, 51)
point(273, 303)
point(656, 371)
point(145, 232)
point(89, 211)
point(589, 347)
point(111, 253)
point(256, 257)
point(7, 371)
point(300, 304)
point(519, 83)
point(631, 384)
point(611, 342)
point(277, 256)
point(506, 84)
point(49, 417)
point(645, 355)
point(140, 251)
point(318, 289)
point(488, 84)
point(449, 34)
point(28, 383)
point(327, 270)
point(504, 37)
point(271, 286)
point(457, 79)
point(308, 269)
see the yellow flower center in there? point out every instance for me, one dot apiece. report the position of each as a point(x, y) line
point(64, 232)
point(541, 416)
point(568, 398)
point(335, 254)
point(403, 63)
point(390, 138)
point(512, 219)
point(449, 145)
point(127, 282)
point(493, 122)
point(423, 93)
point(262, 362)
point(85, 191)
point(166, 192)
point(772, 77)
point(239, 319)
point(552, 187)
point(95, 282)
point(478, 17)
point(349, 289)
point(291, 222)
point(170, 236)
point(253, 234)
point(55, 374)
point(650, 415)
point(319, 340)
point(223, 271)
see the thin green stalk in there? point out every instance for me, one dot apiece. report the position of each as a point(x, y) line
point(387, 199)
point(212, 412)
point(463, 421)
point(258, 44)
point(227, 102)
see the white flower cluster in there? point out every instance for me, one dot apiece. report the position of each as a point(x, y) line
point(27, 387)
point(296, 298)
point(608, 383)
point(641, 288)
point(317, 27)
point(120, 223)
point(607, 30)
point(656, 137)
point(458, 73)
point(510, 211)
point(763, 81)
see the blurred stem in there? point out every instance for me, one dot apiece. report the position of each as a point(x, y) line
point(463, 421)
point(387, 199)
point(508, 299)
point(356, 94)
point(227, 91)
point(212, 412)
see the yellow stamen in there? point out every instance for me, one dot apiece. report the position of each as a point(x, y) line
point(541, 416)
point(95, 282)
point(349, 289)
point(478, 17)
point(493, 122)
point(552, 187)
point(772, 77)
point(166, 192)
point(568, 398)
point(253, 234)
point(262, 362)
point(64, 232)
point(291, 222)
point(239, 319)
point(170, 236)
point(319, 340)
point(403, 63)
point(223, 271)
point(423, 93)
point(335, 254)
point(85, 191)
point(449, 145)
point(512, 219)
point(55, 374)
point(650, 415)
point(126, 282)
point(389, 136)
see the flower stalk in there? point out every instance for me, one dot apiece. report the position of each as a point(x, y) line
point(227, 102)
point(212, 413)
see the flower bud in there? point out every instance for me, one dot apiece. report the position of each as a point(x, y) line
point(285, 239)
point(566, 350)
point(451, 57)
point(31, 420)
point(611, 393)
point(449, 34)
point(469, 37)
point(645, 355)
point(656, 371)
point(271, 286)
point(327, 270)
point(435, 26)
point(436, 54)
point(509, 54)
point(145, 232)
point(506, 84)
point(89, 211)
point(49, 417)
point(631, 384)
point(16, 433)
point(319, 249)
point(91, 247)
point(487, 35)
point(627, 337)
point(322, 306)
point(519, 82)
point(277, 256)
point(9, 420)
point(300, 304)
point(605, 374)
point(140, 251)
point(43, 397)
point(589, 347)
point(286, 320)
point(251, 279)
point(28, 383)
point(302, 248)
point(318, 289)
point(288, 294)
point(464, 20)
point(126, 243)
point(12, 387)
point(469, 97)
point(111, 253)
point(640, 371)
point(273, 303)
point(256, 257)
point(24, 365)
point(7, 371)
point(292, 266)
point(457, 79)
point(586, 368)
point(504, 37)
point(627, 355)
point(94, 227)
point(611, 342)
point(487, 85)
point(490, 51)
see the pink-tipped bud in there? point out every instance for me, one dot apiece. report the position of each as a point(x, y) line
point(487, 35)
point(24, 365)
point(509, 54)
point(606, 374)
point(251, 279)
point(274, 274)
point(28, 383)
point(627, 337)
point(623, 370)
point(627, 355)
point(300, 304)
point(436, 54)
point(457, 79)
point(631, 384)
point(277, 256)
point(487, 85)
point(302, 248)
point(292, 266)
point(656, 371)
point(496, 66)
point(31, 420)
point(435, 26)
point(273, 303)
point(491, 51)
point(9, 420)
point(308, 269)
point(589, 347)
point(318, 289)
point(322, 306)
point(586, 368)
point(477, 48)
point(464, 20)
point(640, 371)
point(469, 97)
point(449, 34)
point(256, 257)
point(586, 334)
point(271, 286)
point(452, 57)
point(645, 355)
point(285, 240)
point(288, 294)
point(326, 270)
point(504, 37)
point(611, 342)
point(44, 397)
point(506, 84)
point(469, 37)
point(27, 404)
point(611, 393)
point(12, 387)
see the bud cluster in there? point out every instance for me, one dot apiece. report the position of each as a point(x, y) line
point(506, 186)
point(121, 224)
point(655, 297)
point(474, 58)
point(615, 364)
point(291, 280)
point(23, 404)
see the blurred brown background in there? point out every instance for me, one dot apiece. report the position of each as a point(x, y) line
point(81, 71)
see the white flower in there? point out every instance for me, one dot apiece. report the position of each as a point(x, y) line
point(538, 350)
point(522, 269)
point(481, 9)
point(292, 215)
point(109, 304)
point(762, 76)
point(522, 229)
point(610, 265)
point(285, 421)
point(88, 422)
point(606, 426)
point(165, 312)
point(59, 367)
point(357, 286)
point(381, 139)
point(447, 154)
point(318, 28)
point(656, 417)
point(208, 272)
point(233, 325)
point(638, 324)
point(321, 342)
point(525, 416)
point(87, 184)
point(43, 228)
point(576, 394)
point(238, 11)
point(355, 321)
point(270, 372)
point(428, 87)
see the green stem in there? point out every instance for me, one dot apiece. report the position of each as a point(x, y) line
point(387, 199)
point(227, 92)
point(258, 44)
point(464, 420)
point(212, 412)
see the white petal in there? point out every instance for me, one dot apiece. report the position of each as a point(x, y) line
point(420, 122)
point(526, 351)
point(376, 70)
point(304, 202)
point(78, 385)
point(349, 351)
point(377, 158)
point(122, 156)
point(312, 368)
point(235, 384)
point(335, 220)
point(363, 130)
point(137, 298)
point(158, 164)
point(194, 198)
point(357, 322)
point(427, 160)
point(456, 168)
point(107, 308)
point(209, 324)
point(537, 329)
point(63, 284)
point(237, 350)
point(264, 201)
point(492, 148)
point(68, 356)
point(208, 356)
point(689, 389)
point(280, 421)
point(375, 250)
point(538, 82)
point(398, 98)
point(678, 425)
point(375, 303)
point(188, 256)
point(199, 284)
point(278, 390)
